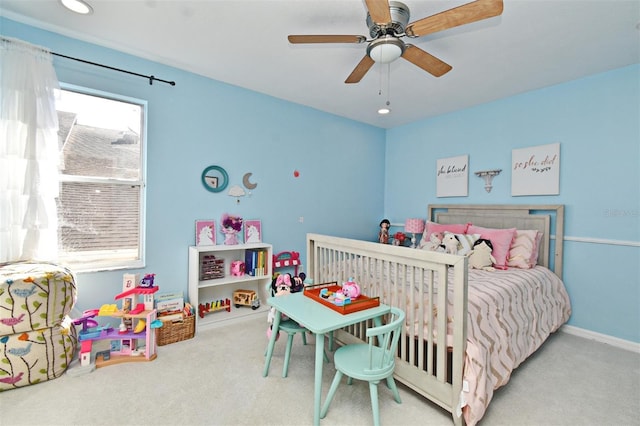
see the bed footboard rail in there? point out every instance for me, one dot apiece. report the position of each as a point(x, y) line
point(432, 290)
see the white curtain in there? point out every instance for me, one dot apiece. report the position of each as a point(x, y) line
point(28, 152)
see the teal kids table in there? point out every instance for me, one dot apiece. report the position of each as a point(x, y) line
point(319, 320)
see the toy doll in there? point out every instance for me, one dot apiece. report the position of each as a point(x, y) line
point(383, 235)
point(231, 225)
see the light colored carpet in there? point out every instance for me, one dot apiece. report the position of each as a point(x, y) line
point(216, 379)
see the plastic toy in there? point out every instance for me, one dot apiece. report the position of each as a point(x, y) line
point(351, 289)
point(140, 326)
point(135, 324)
point(147, 281)
point(237, 268)
point(286, 259)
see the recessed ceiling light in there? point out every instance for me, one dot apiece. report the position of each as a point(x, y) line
point(77, 6)
point(383, 111)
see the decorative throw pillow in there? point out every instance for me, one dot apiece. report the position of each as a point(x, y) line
point(455, 228)
point(524, 249)
point(466, 241)
point(500, 239)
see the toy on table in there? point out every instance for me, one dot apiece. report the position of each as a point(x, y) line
point(349, 292)
point(351, 289)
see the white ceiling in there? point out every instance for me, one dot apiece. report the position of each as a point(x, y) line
point(533, 44)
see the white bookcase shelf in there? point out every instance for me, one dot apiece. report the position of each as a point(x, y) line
point(221, 289)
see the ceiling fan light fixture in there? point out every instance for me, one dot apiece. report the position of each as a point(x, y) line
point(78, 6)
point(385, 49)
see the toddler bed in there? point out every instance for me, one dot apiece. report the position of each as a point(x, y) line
point(493, 319)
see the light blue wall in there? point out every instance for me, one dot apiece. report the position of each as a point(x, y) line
point(596, 120)
point(343, 165)
point(201, 122)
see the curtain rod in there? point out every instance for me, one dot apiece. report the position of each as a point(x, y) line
point(149, 77)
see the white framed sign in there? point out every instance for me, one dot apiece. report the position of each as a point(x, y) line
point(536, 170)
point(452, 176)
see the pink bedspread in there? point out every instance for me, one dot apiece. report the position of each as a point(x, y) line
point(511, 313)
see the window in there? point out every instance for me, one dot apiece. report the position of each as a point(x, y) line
point(102, 188)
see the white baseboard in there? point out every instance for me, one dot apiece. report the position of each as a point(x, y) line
point(602, 338)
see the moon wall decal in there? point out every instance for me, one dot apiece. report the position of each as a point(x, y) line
point(247, 183)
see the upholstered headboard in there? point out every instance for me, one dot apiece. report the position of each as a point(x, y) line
point(546, 218)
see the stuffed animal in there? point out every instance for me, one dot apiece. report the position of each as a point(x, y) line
point(297, 282)
point(435, 242)
point(450, 242)
point(280, 285)
point(283, 284)
point(480, 257)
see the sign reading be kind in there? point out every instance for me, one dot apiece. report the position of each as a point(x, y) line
point(452, 176)
point(536, 170)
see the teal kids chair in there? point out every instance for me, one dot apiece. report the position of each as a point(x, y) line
point(372, 362)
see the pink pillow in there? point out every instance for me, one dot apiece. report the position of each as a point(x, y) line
point(455, 228)
point(500, 239)
point(524, 249)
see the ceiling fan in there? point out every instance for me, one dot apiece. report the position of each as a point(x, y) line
point(387, 22)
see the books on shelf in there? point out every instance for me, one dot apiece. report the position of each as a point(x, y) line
point(169, 303)
point(255, 262)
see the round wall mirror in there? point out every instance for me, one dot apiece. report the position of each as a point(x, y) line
point(215, 178)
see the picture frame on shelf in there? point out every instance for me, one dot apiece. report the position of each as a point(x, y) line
point(205, 232)
point(252, 231)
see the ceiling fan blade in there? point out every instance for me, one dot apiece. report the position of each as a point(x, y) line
point(296, 39)
point(426, 61)
point(360, 70)
point(465, 14)
point(379, 11)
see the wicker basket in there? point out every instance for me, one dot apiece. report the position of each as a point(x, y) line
point(176, 331)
